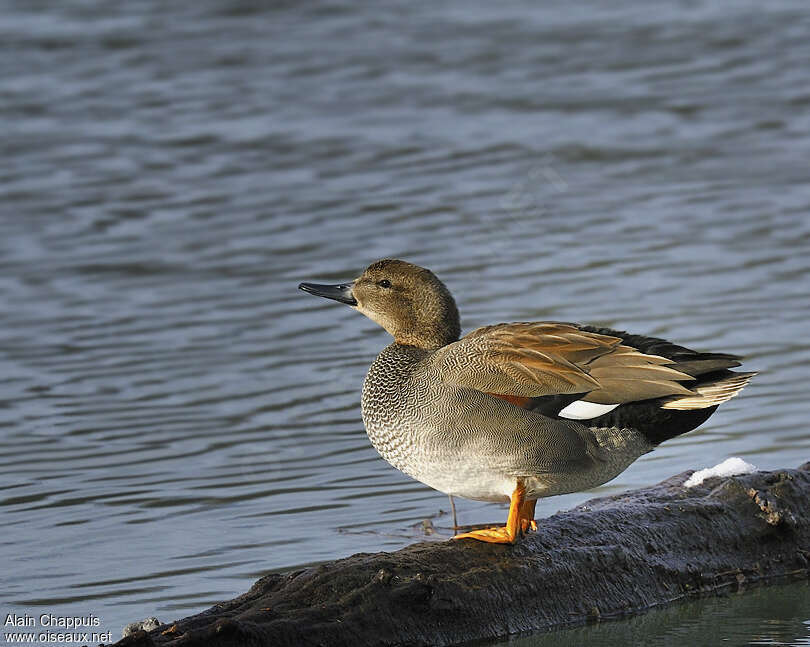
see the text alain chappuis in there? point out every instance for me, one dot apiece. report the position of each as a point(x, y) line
point(50, 628)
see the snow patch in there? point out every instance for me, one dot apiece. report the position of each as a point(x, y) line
point(729, 467)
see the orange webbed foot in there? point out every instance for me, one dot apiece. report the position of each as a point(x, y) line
point(528, 524)
point(491, 535)
point(521, 520)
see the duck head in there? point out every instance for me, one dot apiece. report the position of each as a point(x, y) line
point(407, 300)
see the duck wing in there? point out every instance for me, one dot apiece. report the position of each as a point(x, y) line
point(532, 359)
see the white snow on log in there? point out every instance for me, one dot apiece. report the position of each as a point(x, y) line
point(728, 467)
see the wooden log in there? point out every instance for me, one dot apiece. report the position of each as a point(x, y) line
point(606, 558)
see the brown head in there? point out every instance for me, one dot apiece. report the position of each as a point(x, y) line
point(405, 299)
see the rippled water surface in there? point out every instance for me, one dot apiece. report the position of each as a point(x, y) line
point(176, 419)
point(773, 616)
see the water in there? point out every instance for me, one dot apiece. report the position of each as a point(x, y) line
point(773, 616)
point(176, 419)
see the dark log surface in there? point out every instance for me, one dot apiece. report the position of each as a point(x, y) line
point(608, 557)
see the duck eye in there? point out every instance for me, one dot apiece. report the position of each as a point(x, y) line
point(385, 283)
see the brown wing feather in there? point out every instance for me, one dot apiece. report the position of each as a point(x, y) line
point(525, 360)
point(627, 375)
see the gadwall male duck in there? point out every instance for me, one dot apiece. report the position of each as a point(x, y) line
point(518, 411)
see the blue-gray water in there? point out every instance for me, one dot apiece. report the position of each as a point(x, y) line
point(176, 419)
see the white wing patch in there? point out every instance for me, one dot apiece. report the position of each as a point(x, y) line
point(581, 410)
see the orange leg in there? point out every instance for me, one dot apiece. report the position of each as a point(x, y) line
point(521, 513)
point(527, 521)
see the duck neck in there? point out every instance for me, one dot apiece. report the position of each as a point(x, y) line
point(431, 342)
point(429, 337)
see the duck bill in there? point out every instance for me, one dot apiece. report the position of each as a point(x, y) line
point(341, 292)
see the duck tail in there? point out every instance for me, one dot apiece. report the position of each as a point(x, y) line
point(660, 419)
point(710, 393)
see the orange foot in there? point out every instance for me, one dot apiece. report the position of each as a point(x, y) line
point(492, 535)
point(526, 515)
point(521, 513)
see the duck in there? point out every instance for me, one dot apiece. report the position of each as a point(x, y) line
point(515, 412)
